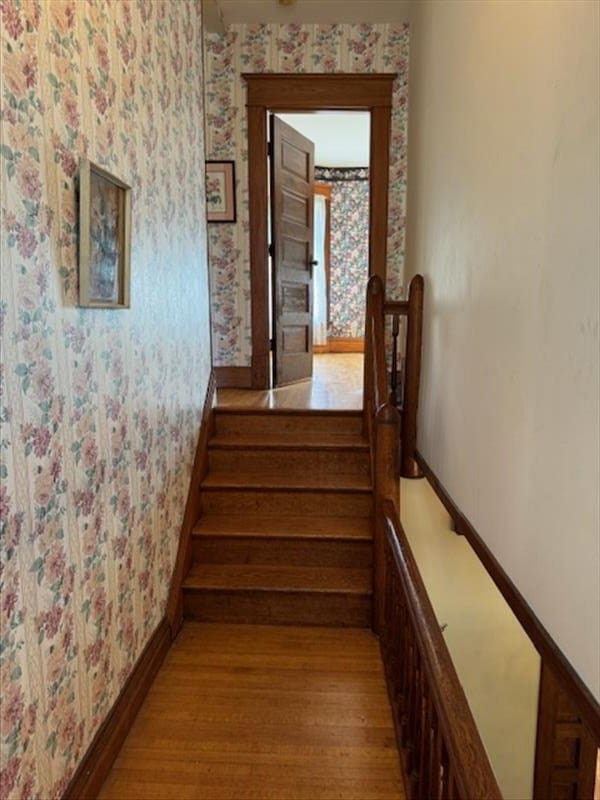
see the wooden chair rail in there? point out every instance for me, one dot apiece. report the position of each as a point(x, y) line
point(442, 751)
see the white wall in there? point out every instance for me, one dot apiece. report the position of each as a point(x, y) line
point(341, 138)
point(503, 222)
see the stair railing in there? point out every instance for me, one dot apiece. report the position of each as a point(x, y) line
point(408, 399)
point(381, 423)
point(440, 746)
point(392, 436)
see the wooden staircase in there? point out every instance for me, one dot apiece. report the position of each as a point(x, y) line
point(285, 534)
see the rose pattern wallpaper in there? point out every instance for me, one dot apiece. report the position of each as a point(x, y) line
point(100, 410)
point(349, 248)
point(288, 48)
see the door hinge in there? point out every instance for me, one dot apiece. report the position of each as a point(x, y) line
point(272, 250)
point(271, 344)
point(270, 149)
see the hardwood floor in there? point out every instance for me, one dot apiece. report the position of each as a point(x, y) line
point(336, 385)
point(244, 712)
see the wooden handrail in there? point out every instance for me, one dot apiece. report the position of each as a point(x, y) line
point(443, 754)
point(414, 335)
point(381, 424)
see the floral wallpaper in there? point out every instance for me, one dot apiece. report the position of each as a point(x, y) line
point(349, 248)
point(100, 409)
point(287, 48)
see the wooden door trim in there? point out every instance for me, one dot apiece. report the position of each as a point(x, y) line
point(310, 92)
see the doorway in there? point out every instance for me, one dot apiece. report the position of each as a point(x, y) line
point(280, 94)
point(338, 143)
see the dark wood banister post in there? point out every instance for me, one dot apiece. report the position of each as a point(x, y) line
point(382, 426)
point(410, 405)
point(386, 488)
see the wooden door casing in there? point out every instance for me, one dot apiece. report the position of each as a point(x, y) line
point(281, 92)
point(292, 205)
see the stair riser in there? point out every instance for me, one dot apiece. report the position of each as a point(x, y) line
point(278, 608)
point(281, 551)
point(291, 463)
point(276, 424)
point(239, 501)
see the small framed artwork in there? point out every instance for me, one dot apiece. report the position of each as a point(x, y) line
point(220, 191)
point(104, 238)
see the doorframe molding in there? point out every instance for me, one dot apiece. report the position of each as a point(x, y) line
point(279, 93)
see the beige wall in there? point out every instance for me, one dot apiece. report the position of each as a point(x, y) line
point(495, 661)
point(503, 223)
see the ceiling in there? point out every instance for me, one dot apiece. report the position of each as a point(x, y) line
point(318, 11)
point(341, 137)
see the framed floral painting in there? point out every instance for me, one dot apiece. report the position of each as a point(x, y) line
point(220, 191)
point(104, 238)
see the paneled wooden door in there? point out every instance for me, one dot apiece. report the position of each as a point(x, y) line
point(292, 200)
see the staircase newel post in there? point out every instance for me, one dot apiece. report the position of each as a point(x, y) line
point(414, 334)
point(387, 487)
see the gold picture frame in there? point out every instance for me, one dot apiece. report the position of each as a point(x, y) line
point(104, 238)
point(220, 191)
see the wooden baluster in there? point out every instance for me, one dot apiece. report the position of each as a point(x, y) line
point(436, 758)
point(445, 772)
point(402, 645)
point(394, 377)
point(425, 746)
point(417, 724)
point(409, 681)
point(431, 713)
point(410, 404)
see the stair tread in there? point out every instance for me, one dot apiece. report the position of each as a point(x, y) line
point(341, 482)
point(295, 440)
point(356, 528)
point(239, 577)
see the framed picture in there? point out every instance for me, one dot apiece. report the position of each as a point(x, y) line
point(220, 191)
point(104, 238)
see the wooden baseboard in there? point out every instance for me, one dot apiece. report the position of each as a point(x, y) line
point(550, 653)
point(233, 377)
point(101, 754)
point(192, 509)
point(341, 344)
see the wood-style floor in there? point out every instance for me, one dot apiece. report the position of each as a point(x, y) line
point(337, 384)
point(263, 713)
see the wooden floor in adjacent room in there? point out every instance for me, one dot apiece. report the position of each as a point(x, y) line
point(337, 383)
point(249, 712)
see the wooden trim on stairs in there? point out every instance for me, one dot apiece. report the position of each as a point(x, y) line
point(552, 657)
point(233, 377)
point(101, 754)
point(192, 509)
